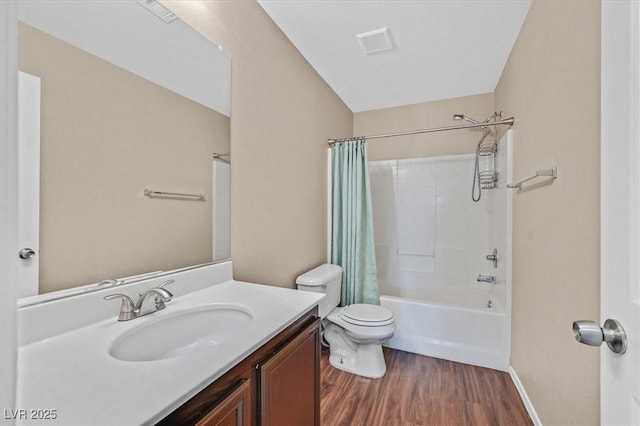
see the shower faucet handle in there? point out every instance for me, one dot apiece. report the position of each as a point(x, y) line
point(493, 257)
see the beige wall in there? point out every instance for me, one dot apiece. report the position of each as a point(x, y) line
point(423, 116)
point(282, 115)
point(551, 84)
point(106, 135)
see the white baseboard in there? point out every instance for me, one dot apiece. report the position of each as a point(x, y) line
point(525, 398)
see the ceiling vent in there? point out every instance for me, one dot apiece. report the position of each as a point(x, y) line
point(158, 9)
point(375, 41)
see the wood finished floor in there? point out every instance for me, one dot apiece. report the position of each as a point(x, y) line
point(419, 390)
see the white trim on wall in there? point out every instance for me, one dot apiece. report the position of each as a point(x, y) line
point(221, 211)
point(525, 398)
point(8, 203)
point(329, 205)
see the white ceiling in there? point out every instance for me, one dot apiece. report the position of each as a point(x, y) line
point(443, 48)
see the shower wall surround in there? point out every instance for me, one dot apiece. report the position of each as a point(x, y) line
point(429, 234)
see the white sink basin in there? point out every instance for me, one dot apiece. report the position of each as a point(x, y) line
point(182, 333)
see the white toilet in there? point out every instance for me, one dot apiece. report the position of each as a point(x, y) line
point(355, 333)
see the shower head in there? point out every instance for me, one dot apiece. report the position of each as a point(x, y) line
point(463, 117)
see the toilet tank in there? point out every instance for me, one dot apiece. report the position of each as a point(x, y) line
point(326, 279)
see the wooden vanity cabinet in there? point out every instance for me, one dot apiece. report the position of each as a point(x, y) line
point(278, 385)
point(234, 410)
point(289, 383)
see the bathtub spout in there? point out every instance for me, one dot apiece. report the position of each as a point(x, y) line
point(491, 279)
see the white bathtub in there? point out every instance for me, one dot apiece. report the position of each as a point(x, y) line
point(453, 324)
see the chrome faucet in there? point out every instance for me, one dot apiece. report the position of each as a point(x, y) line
point(130, 310)
point(161, 297)
point(491, 279)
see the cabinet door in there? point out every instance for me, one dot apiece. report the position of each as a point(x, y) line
point(290, 382)
point(234, 410)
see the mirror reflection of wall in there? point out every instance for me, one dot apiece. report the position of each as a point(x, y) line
point(107, 134)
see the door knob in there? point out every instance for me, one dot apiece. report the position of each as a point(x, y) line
point(26, 253)
point(590, 333)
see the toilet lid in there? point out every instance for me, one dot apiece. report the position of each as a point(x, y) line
point(367, 315)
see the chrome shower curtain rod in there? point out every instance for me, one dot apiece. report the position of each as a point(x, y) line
point(506, 122)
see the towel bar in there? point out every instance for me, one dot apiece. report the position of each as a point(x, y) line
point(552, 173)
point(160, 194)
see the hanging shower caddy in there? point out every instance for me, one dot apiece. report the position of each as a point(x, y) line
point(487, 164)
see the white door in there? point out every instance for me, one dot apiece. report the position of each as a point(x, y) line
point(28, 182)
point(620, 208)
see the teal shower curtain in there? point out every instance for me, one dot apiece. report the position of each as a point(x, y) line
point(352, 245)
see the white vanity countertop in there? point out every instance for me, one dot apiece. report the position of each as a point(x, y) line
point(74, 374)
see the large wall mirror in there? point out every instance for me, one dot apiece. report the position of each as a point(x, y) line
point(117, 98)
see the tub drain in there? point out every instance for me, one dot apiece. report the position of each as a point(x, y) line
point(489, 304)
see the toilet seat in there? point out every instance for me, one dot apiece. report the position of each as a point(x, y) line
point(366, 315)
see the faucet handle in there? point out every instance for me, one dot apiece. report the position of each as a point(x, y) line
point(128, 309)
point(167, 297)
point(493, 257)
point(162, 296)
point(167, 282)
